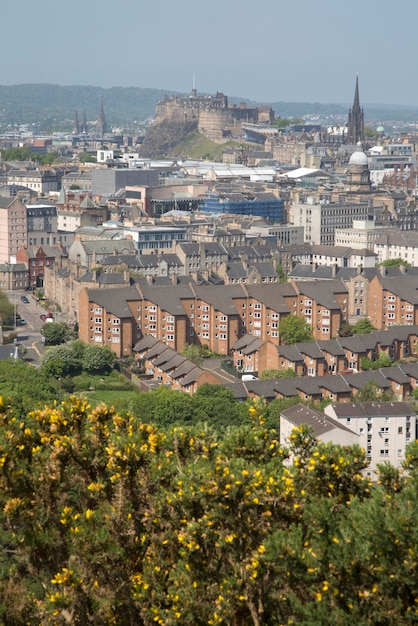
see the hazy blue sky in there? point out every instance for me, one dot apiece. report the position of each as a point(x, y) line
point(270, 50)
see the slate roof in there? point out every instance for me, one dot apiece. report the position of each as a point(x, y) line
point(331, 347)
point(168, 297)
point(148, 341)
point(272, 296)
point(405, 287)
point(323, 292)
point(114, 301)
point(247, 344)
point(372, 409)
point(320, 423)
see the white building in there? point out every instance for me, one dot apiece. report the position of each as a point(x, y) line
point(384, 429)
point(325, 429)
point(362, 234)
point(397, 245)
point(321, 218)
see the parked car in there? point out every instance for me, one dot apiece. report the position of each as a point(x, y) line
point(22, 322)
point(24, 299)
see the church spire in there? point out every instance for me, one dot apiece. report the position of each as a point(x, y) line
point(84, 128)
point(355, 124)
point(76, 123)
point(101, 126)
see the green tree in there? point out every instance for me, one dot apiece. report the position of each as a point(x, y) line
point(24, 386)
point(58, 361)
point(7, 310)
point(382, 361)
point(345, 330)
point(363, 326)
point(56, 333)
point(398, 262)
point(371, 392)
point(194, 353)
point(294, 329)
point(97, 358)
point(85, 157)
point(271, 374)
point(281, 273)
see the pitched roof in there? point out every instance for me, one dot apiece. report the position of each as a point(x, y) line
point(320, 423)
point(372, 409)
point(114, 300)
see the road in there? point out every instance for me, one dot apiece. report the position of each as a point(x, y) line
point(29, 335)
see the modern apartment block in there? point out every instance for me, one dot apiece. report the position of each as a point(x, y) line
point(384, 429)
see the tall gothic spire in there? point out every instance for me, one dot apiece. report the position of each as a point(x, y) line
point(355, 124)
point(84, 127)
point(101, 126)
point(76, 123)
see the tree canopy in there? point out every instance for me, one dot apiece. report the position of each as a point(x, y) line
point(56, 333)
point(398, 262)
point(363, 326)
point(294, 329)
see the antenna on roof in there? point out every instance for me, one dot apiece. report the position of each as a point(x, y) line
point(194, 92)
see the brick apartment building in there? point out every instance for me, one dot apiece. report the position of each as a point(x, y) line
point(215, 316)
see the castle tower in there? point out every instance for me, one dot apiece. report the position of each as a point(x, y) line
point(101, 126)
point(355, 124)
point(76, 123)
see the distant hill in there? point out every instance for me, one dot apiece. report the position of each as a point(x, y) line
point(54, 105)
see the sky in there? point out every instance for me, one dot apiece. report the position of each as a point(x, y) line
point(266, 51)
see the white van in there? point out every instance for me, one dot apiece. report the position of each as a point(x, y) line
point(245, 377)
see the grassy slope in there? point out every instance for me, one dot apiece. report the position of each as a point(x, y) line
point(197, 146)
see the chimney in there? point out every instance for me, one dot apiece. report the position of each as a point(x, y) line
point(150, 279)
point(174, 279)
point(383, 270)
point(334, 270)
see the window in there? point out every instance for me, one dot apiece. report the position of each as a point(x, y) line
point(257, 306)
point(222, 336)
point(384, 452)
point(115, 330)
point(170, 337)
point(98, 310)
point(115, 339)
point(400, 430)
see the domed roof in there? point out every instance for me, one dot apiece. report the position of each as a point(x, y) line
point(358, 157)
